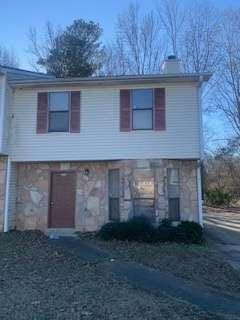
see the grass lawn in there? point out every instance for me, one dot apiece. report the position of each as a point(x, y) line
point(39, 282)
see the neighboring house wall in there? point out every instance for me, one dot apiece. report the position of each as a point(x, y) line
point(92, 190)
point(3, 166)
point(5, 105)
point(1, 89)
point(2, 107)
point(100, 137)
point(7, 119)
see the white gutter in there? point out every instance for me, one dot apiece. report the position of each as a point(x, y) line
point(7, 193)
point(201, 151)
point(2, 110)
point(201, 139)
point(110, 80)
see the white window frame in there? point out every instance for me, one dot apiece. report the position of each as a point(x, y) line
point(60, 111)
point(142, 109)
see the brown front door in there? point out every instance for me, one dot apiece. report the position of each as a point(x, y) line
point(62, 199)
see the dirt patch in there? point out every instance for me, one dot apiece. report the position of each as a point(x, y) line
point(198, 264)
point(39, 282)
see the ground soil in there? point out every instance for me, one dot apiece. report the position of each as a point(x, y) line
point(38, 281)
point(199, 264)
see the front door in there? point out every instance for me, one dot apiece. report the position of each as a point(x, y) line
point(62, 199)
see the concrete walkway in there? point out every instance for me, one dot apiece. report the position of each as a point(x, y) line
point(223, 232)
point(149, 279)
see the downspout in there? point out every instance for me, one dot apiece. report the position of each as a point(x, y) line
point(201, 151)
point(7, 192)
point(199, 190)
point(200, 117)
point(8, 169)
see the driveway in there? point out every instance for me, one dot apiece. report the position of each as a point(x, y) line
point(223, 232)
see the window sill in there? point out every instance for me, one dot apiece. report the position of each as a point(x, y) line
point(61, 133)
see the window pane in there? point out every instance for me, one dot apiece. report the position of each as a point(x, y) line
point(143, 185)
point(144, 208)
point(173, 183)
point(142, 98)
point(58, 121)
point(114, 214)
point(58, 101)
point(173, 176)
point(142, 119)
point(174, 209)
point(113, 193)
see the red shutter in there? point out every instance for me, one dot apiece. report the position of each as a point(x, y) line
point(42, 112)
point(75, 112)
point(125, 110)
point(160, 109)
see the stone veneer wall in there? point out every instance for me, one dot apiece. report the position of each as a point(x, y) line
point(3, 166)
point(92, 191)
point(188, 186)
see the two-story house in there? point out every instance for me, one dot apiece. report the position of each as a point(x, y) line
point(79, 152)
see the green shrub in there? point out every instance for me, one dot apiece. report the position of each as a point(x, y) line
point(135, 229)
point(186, 232)
point(166, 222)
point(190, 232)
point(140, 229)
point(217, 197)
point(166, 233)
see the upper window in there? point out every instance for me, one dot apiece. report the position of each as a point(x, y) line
point(142, 109)
point(58, 112)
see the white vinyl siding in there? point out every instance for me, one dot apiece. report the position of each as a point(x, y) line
point(100, 137)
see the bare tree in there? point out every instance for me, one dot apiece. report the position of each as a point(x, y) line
point(8, 58)
point(116, 60)
point(171, 15)
point(200, 49)
point(228, 88)
point(222, 173)
point(40, 45)
point(138, 47)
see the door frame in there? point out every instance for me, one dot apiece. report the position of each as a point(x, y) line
point(50, 194)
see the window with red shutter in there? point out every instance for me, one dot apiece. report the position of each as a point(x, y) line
point(58, 111)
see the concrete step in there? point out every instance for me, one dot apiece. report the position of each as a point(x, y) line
point(55, 233)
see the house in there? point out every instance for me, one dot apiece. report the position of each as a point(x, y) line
point(79, 152)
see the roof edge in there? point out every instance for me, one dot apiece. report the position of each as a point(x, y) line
point(112, 80)
point(19, 70)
